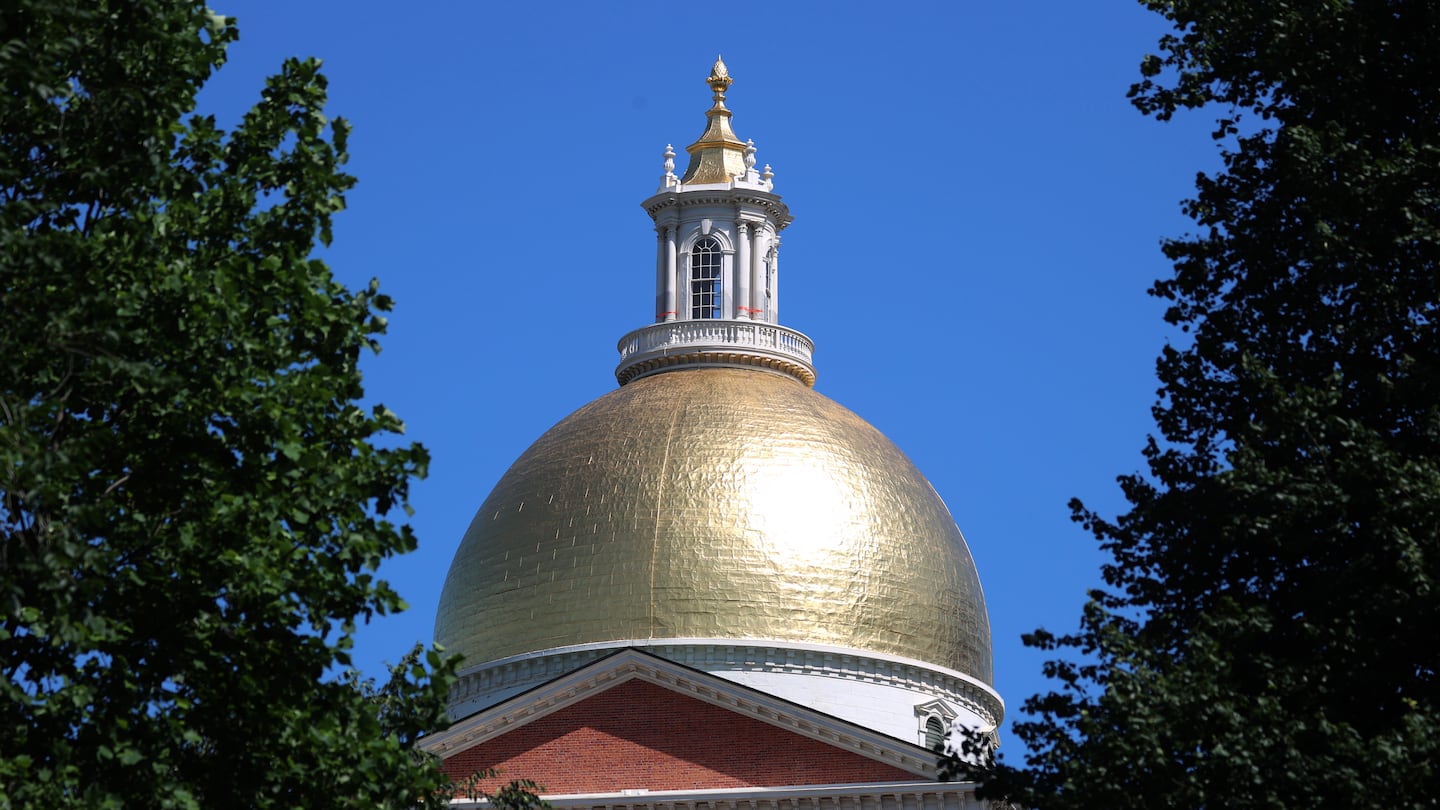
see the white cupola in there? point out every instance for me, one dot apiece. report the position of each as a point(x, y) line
point(717, 263)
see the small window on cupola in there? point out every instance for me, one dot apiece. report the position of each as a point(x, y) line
point(705, 278)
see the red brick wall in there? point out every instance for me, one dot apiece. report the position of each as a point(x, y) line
point(639, 735)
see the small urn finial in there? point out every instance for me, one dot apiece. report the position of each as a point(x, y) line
point(668, 179)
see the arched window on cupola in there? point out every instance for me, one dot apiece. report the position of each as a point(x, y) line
point(705, 262)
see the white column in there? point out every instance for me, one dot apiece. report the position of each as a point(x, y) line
point(742, 272)
point(775, 283)
point(671, 312)
point(660, 282)
point(727, 284)
point(757, 275)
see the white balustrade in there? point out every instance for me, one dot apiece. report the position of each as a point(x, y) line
point(725, 338)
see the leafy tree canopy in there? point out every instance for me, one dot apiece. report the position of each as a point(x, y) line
point(1270, 631)
point(193, 502)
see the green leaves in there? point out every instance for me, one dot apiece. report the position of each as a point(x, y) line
point(191, 499)
point(1270, 632)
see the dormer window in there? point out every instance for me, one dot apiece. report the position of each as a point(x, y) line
point(935, 719)
point(705, 259)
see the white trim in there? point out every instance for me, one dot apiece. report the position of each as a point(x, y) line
point(765, 203)
point(787, 792)
point(718, 230)
point(505, 675)
point(857, 795)
point(631, 664)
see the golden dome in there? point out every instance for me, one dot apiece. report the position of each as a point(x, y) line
point(715, 503)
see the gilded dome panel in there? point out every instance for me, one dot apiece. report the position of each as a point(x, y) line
point(715, 503)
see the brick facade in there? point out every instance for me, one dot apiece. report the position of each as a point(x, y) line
point(638, 735)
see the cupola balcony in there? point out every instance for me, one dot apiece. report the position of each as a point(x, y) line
point(711, 343)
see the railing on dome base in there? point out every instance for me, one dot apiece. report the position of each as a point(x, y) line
point(688, 344)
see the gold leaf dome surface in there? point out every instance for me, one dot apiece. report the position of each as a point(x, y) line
point(720, 504)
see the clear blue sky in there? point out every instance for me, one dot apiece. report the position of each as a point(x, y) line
point(977, 209)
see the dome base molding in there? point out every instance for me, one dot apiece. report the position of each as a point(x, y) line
point(873, 690)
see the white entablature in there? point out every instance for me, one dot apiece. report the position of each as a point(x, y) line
point(717, 259)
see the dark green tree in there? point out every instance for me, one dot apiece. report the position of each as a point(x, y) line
point(1270, 631)
point(192, 500)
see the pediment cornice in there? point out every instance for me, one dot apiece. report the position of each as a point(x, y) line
point(630, 664)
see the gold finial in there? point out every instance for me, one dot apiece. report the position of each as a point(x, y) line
point(718, 157)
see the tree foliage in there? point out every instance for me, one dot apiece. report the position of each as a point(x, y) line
point(193, 501)
point(1270, 631)
point(517, 794)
